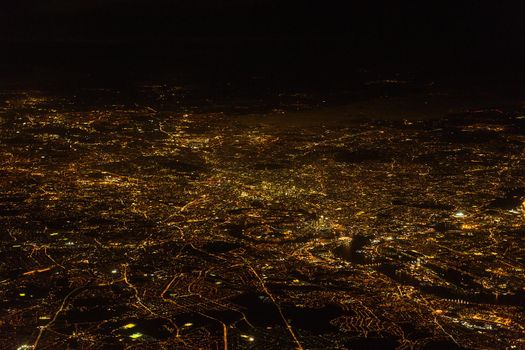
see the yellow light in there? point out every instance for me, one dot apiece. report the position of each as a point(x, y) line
point(24, 347)
point(459, 214)
point(129, 326)
point(189, 324)
point(469, 226)
point(135, 335)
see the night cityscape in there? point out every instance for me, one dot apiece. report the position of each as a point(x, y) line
point(262, 175)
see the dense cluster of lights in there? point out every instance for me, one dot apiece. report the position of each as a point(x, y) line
point(132, 226)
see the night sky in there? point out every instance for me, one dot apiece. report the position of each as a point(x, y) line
point(407, 23)
point(483, 36)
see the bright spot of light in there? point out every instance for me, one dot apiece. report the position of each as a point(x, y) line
point(247, 337)
point(24, 347)
point(135, 335)
point(189, 324)
point(459, 214)
point(114, 271)
point(129, 326)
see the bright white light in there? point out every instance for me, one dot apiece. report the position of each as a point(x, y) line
point(247, 337)
point(459, 214)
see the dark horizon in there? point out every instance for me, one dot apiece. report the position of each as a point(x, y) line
point(473, 38)
point(467, 24)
